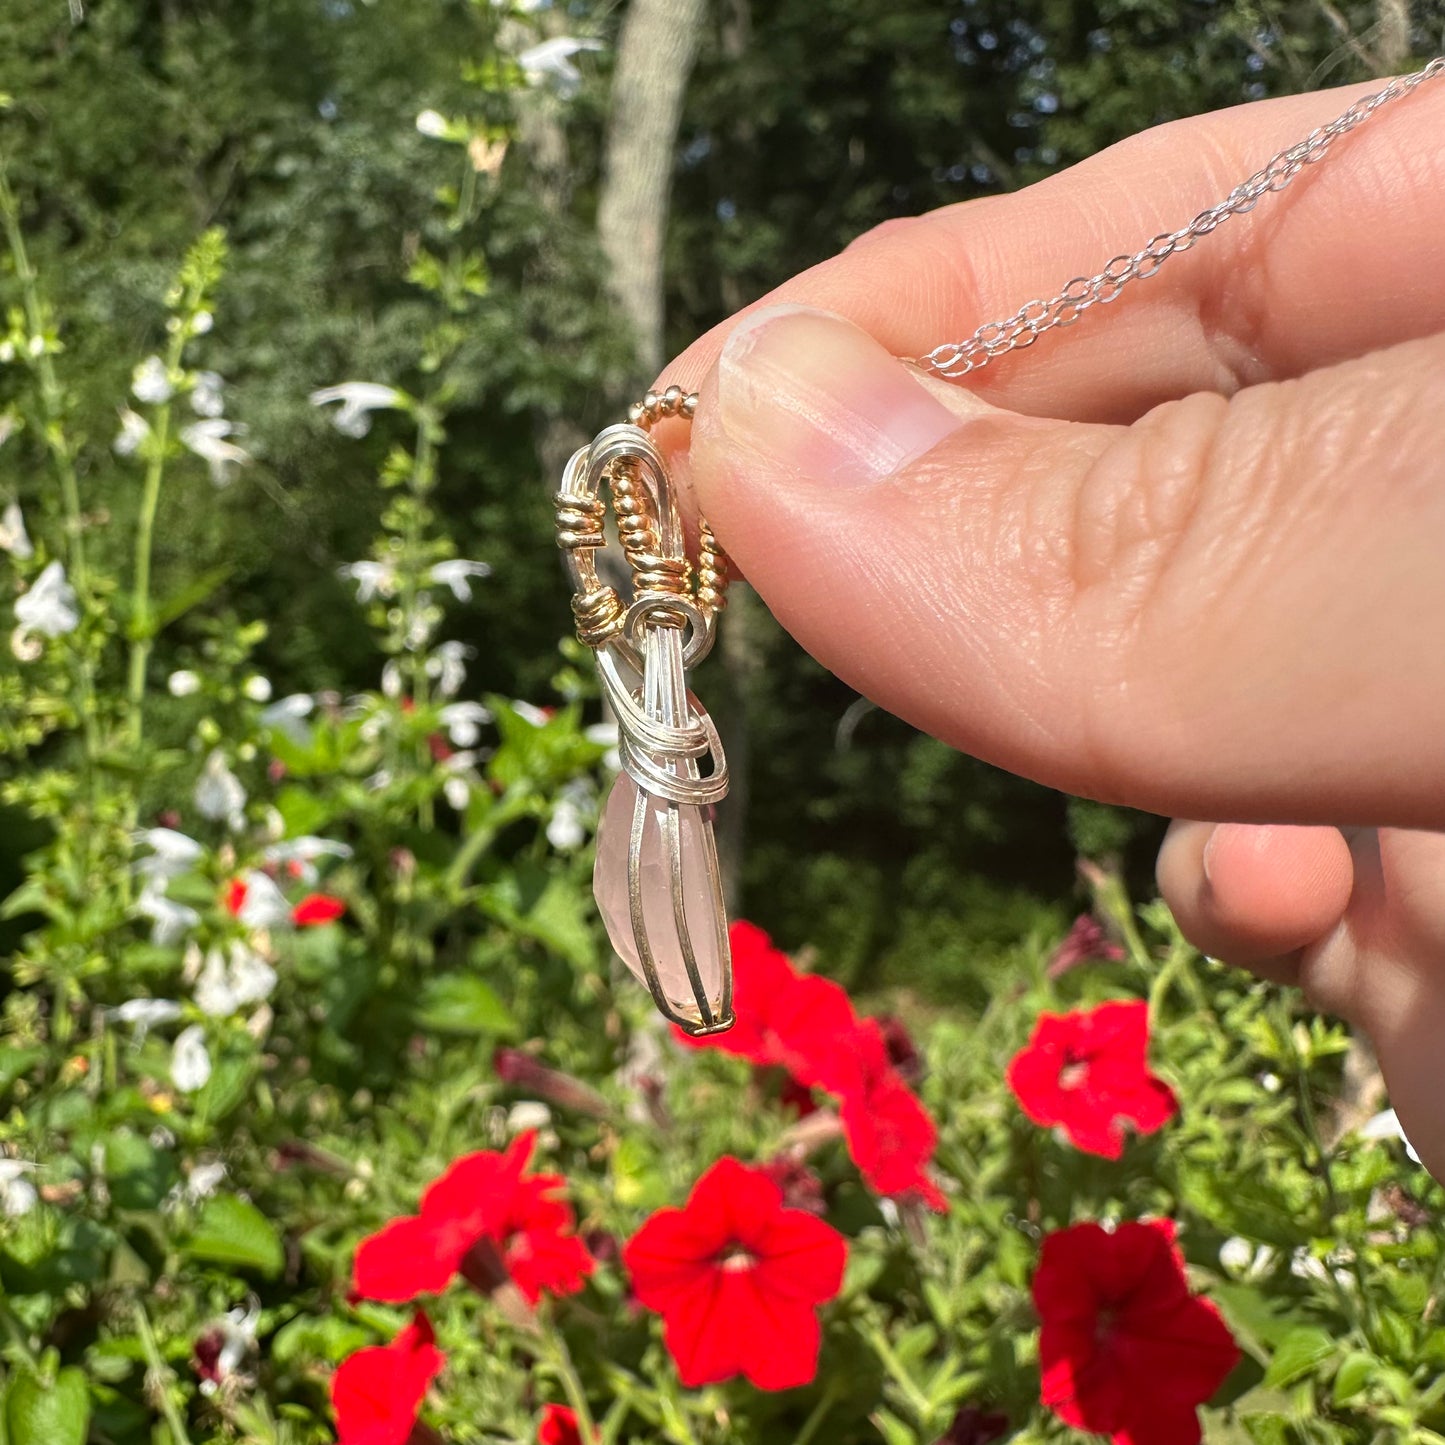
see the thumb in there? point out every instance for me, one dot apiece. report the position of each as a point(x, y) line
point(1206, 613)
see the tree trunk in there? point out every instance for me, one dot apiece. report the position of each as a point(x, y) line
point(655, 51)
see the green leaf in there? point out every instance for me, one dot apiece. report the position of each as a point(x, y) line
point(1248, 1207)
point(34, 896)
point(892, 1429)
point(38, 1412)
point(544, 905)
point(15, 1062)
point(233, 1231)
point(1298, 1354)
point(307, 1339)
point(179, 603)
point(461, 1003)
point(1267, 1429)
point(1354, 1374)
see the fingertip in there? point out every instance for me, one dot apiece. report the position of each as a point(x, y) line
point(1256, 895)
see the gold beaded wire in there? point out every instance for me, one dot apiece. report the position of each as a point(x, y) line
point(600, 612)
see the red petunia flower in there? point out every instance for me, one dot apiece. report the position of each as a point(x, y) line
point(891, 1136)
point(559, 1426)
point(377, 1392)
point(317, 908)
point(1125, 1349)
point(807, 1025)
point(484, 1219)
point(785, 1018)
point(1087, 1072)
point(737, 1278)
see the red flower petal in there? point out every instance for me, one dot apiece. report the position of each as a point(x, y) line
point(235, 897)
point(1088, 1073)
point(317, 908)
point(404, 1259)
point(559, 1426)
point(737, 1277)
point(377, 1392)
point(891, 1138)
point(1124, 1348)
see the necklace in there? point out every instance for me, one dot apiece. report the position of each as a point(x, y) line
point(657, 881)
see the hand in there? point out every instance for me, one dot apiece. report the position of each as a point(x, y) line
point(1188, 556)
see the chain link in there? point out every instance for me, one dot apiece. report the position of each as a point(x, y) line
point(1033, 318)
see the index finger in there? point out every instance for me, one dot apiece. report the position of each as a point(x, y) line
point(1346, 260)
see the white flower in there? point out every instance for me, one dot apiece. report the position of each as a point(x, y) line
point(201, 323)
point(464, 722)
point(172, 853)
point(298, 855)
point(183, 683)
point(371, 578)
point(134, 429)
point(190, 1060)
point(218, 792)
point(207, 438)
point(1387, 1126)
point(457, 789)
point(358, 400)
point(529, 712)
point(432, 123)
point(150, 383)
point(49, 607)
point(455, 574)
point(204, 1180)
point(288, 716)
point(14, 539)
point(552, 59)
point(605, 735)
point(529, 1114)
point(237, 1329)
point(448, 665)
point(170, 922)
point(144, 1014)
point(17, 1194)
point(390, 684)
point(229, 981)
point(1245, 1260)
point(257, 688)
point(567, 827)
point(206, 397)
point(263, 906)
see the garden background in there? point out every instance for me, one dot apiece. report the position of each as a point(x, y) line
point(307, 301)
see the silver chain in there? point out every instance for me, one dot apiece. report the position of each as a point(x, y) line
point(1033, 318)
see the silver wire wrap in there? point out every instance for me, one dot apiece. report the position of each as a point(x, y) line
point(1033, 318)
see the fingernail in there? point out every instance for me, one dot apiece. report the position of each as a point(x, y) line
point(809, 392)
point(1206, 859)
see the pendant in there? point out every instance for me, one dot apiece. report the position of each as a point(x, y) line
point(657, 881)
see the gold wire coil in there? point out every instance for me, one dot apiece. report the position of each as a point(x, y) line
point(580, 523)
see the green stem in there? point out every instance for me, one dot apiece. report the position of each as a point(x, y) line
point(52, 399)
point(162, 1374)
point(917, 1400)
point(571, 1384)
point(1357, 1309)
point(142, 628)
point(826, 1401)
point(419, 485)
point(52, 414)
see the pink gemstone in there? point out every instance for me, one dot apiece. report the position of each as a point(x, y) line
point(707, 928)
